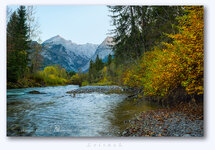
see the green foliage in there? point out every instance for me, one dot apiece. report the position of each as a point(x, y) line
point(23, 56)
point(80, 79)
point(17, 45)
point(71, 73)
point(139, 28)
point(76, 79)
point(84, 83)
point(109, 60)
point(95, 70)
point(35, 57)
point(52, 75)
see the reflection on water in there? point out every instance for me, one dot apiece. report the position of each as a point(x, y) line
point(126, 110)
point(57, 113)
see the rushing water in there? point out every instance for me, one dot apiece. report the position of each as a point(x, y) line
point(57, 113)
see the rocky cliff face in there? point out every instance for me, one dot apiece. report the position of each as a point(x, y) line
point(69, 55)
point(103, 50)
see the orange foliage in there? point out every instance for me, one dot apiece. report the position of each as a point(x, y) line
point(179, 64)
point(188, 45)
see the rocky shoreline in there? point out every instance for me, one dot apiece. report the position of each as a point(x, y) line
point(99, 89)
point(184, 121)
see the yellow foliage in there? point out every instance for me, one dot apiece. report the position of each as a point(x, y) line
point(179, 64)
point(188, 45)
point(75, 79)
point(52, 75)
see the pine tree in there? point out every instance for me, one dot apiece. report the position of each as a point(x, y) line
point(17, 45)
point(22, 41)
point(139, 28)
point(12, 72)
point(97, 64)
point(91, 71)
point(109, 60)
point(126, 33)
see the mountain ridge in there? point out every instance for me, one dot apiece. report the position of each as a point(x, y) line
point(73, 56)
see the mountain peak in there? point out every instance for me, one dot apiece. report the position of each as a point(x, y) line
point(58, 37)
point(58, 40)
point(108, 41)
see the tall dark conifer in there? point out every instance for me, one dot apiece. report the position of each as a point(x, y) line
point(12, 72)
point(91, 71)
point(23, 43)
point(139, 28)
point(109, 60)
point(17, 45)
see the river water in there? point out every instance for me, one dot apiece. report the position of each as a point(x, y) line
point(57, 113)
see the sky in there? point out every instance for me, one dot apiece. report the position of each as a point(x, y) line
point(79, 23)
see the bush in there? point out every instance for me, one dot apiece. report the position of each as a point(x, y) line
point(84, 83)
point(51, 75)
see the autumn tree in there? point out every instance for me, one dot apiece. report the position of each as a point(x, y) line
point(179, 64)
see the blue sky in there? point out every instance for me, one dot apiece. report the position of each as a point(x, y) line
point(78, 23)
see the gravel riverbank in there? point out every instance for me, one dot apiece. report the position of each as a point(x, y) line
point(185, 120)
point(99, 89)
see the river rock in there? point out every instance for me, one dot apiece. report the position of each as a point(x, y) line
point(36, 92)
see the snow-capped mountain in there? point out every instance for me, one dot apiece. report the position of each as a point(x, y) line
point(72, 56)
point(103, 50)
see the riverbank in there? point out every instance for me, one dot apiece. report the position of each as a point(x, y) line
point(30, 84)
point(184, 120)
point(99, 89)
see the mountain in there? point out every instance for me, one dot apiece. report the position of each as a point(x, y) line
point(85, 50)
point(103, 50)
point(72, 56)
point(69, 55)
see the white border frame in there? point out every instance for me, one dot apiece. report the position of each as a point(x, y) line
point(35, 143)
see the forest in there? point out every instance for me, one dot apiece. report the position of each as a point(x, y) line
point(158, 53)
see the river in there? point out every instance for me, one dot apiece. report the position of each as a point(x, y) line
point(57, 113)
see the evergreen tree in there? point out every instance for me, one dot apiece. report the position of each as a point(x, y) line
point(11, 48)
point(109, 60)
point(97, 64)
point(17, 45)
point(139, 28)
point(91, 71)
point(126, 34)
point(22, 41)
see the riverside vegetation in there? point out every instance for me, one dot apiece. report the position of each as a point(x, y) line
point(158, 56)
point(159, 53)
